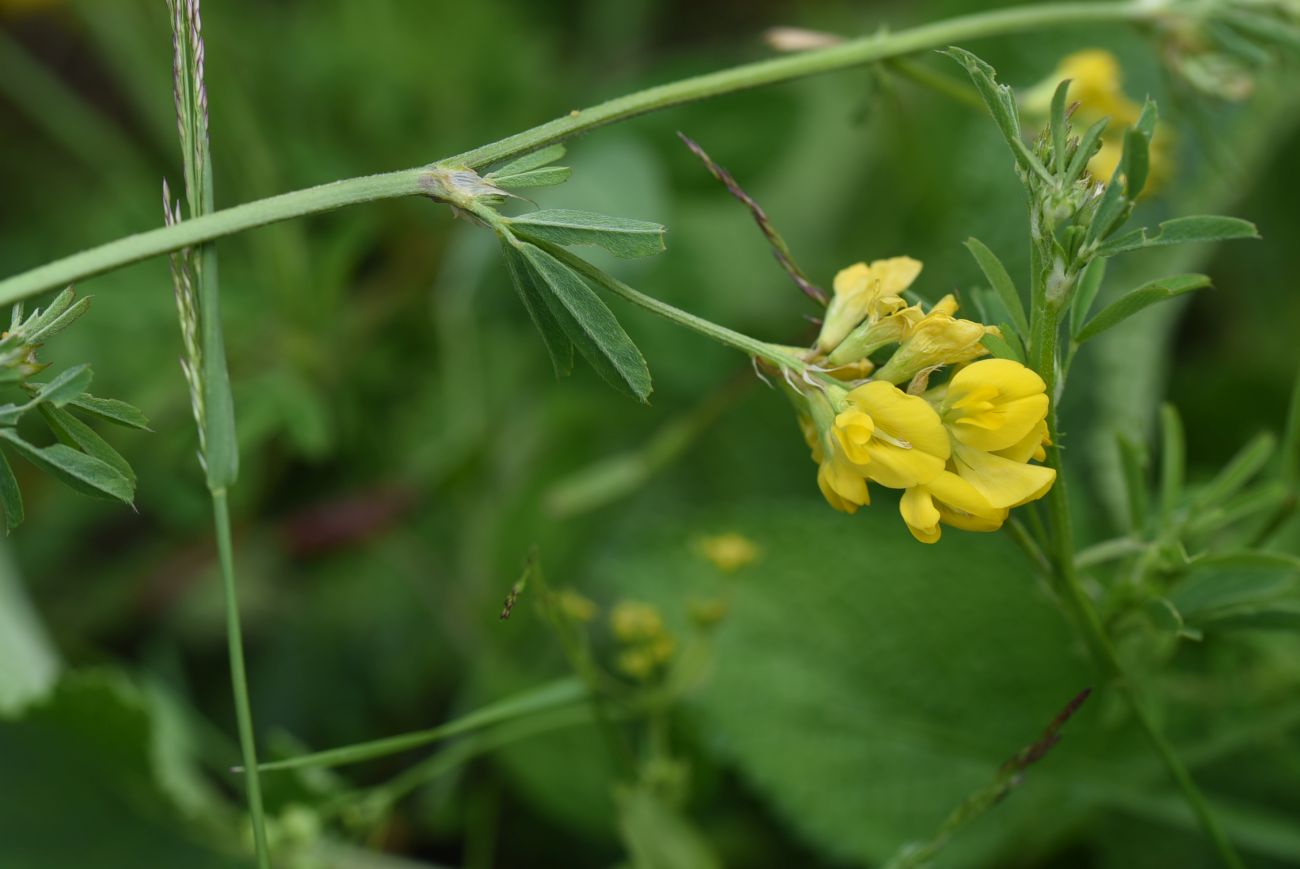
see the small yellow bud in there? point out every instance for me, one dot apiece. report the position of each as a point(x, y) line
point(728, 552)
point(633, 621)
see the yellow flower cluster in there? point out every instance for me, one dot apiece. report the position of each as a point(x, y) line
point(647, 643)
point(960, 451)
point(1096, 87)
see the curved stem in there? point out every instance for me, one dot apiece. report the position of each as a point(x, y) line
point(869, 49)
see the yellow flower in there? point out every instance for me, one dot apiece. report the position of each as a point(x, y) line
point(841, 484)
point(633, 621)
point(864, 291)
point(891, 437)
point(938, 339)
point(952, 500)
point(575, 606)
point(728, 552)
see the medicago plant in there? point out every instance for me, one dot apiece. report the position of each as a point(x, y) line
point(958, 415)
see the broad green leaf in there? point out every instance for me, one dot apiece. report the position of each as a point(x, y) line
point(1001, 282)
point(86, 474)
point(590, 325)
point(544, 177)
point(528, 162)
point(618, 235)
point(11, 497)
point(111, 410)
point(75, 433)
point(29, 663)
point(1143, 297)
point(65, 387)
point(533, 295)
point(1086, 293)
point(1181, 230)
point(919, 668)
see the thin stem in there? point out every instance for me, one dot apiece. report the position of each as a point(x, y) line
point(239, 680)
point(869, 49)
point(1099, 642)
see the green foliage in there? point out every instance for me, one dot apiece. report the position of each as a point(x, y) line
point(1001, 282)
point(1136, 300)
point(618, 235)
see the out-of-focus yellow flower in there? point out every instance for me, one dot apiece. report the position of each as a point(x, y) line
point(865, 292)
point(728, 552)
point(1097, 86)
point(633, 621)
point(938, 339)
point(707, 613)
point(575, 606)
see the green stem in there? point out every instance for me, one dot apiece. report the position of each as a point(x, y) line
point(239, 679)
point(1085, 613)
point(869, 49)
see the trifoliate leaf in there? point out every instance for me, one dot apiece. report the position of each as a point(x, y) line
point(1143, 297)
point(86, 474)
point(47, 325)
point(620, 236)
point(65, 387)
point(590, 325)
point(1001, 103)
point(76, 434)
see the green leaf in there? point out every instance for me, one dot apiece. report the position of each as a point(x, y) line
point(590, 325)
point(86, 474)
point(111, 410)
point(1001, 103)
point(1086, 294)
point(1088, 144)
point(1181, 230)
point(47, 325)
point(1001, 348)
point(1059, 127)
point(11, 497)
point(533, 295)
point(1242, 468)
point(1001, 281)
point(529, 161)
point(1143, 297)
point(620, 236)
point(65, 387)
point(544, 177)
point(75, 433)
point(1134, 463)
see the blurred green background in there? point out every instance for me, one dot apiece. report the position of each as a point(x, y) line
point(404, 444)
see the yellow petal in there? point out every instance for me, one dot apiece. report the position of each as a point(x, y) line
point(1029, 447)
point(994, 404)
point(920, 514)
point(1002, 482)
point(852, 281)
point(853, 430)
point(841, 486)
point(909, 445)
point(895, 274)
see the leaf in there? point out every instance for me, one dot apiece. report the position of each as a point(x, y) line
point(1058, 125)
point(1143, 297)
point(533, 295)
point(1001, 103)
point(1173, 459)
point(1086, 294)
point(1001, 282)
point(65, 387)
point(47, 326)
point(1239, 471)
point(75, 433)
point(620, 236)
point(11, 497)
point(917, 667)
point(1083, 152)
point(1181, 230)
point(86, 474)
point(590, 325)
point(1134, 463)
point(29, 663)
point(111, 410)
point(1136, 157)
point(543, 177)
point(532, 160)
point(1001, 348)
